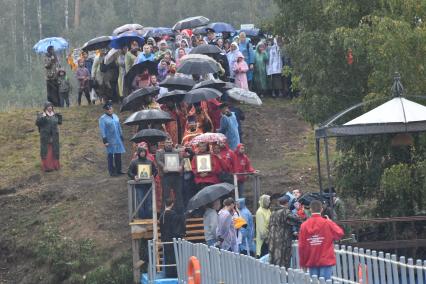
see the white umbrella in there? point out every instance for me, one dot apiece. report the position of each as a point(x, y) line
point(111, 56)
point(244, 96)
point(128, 28)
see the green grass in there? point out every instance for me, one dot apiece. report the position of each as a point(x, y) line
point(19, 143)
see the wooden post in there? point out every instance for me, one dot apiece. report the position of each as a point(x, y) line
point(236, 187)
point(130, 186)
point(136, 258)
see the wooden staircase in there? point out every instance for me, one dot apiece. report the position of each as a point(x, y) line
point(143, 229)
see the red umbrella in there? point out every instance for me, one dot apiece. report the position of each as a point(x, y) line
point(209, 138)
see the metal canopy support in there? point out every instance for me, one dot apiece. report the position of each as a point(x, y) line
point(327, 159)
point(317, 148)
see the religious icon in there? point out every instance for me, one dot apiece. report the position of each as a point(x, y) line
point(204, 163)
point(187, 165)
point(144, 171)
point(171, 162)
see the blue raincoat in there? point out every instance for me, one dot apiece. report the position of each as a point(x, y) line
point(110, 129)
point(229, 127)
point(246, 49)
point(248, 232)
point(142, 57)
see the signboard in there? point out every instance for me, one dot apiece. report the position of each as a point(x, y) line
point(247, 27)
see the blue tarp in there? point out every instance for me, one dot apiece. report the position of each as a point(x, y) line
point(144, 279)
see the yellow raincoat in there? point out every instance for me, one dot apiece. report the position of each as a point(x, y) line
point(262, 222)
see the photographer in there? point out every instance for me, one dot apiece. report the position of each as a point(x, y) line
point(47, 123)
point(51, 64)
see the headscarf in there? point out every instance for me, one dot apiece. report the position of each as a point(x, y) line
point(46, 105)
point(264, 201)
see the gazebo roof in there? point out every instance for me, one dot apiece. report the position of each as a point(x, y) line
point(397, 115)
point(397, 110)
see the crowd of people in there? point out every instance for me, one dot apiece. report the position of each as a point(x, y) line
point(181, 168)
point(101, 74)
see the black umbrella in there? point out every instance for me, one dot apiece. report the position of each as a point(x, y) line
point(190, 23)
point(209, 194)
point(202, 94)
point(159, 32)
point(206, 49)
point(148, 116)
point(177, 83)
point(175, 96)
point(149, 135)
point(97, 43)
point(139, 69)
point(228, 86)
point(197, 64)
point(136, 98)
point(212, 83)
point(200, 30)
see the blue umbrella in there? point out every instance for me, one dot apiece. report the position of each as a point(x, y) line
point(159, 32)
point(58, 44)
point(252, 32)
point(221, 27)
point(124, 39)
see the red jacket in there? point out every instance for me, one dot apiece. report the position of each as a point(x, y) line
point(316, 237)
point(229, 157)
point(213, 176)
point(242, 164)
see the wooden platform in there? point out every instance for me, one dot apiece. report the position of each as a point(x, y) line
point(143, 229)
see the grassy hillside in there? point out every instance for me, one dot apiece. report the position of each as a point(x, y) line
point(71, 226)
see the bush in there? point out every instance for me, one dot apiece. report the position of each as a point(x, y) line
point(65, 256)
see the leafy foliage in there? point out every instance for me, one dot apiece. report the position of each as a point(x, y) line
point(385, 37)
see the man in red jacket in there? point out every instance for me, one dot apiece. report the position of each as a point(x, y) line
point(316, 247)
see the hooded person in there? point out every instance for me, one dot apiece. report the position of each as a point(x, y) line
point(262, 223)
point(280, 231)
point(47, 123)
point(260, 78)
point(240, 69)
point(163, 70)
point(163, 49)
point(112, 138)
point(136, 167)
point(229, 126)
point(247, 245)
point(242, 164)
point(232, 57)
point(182, 44)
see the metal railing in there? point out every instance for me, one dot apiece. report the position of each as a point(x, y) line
point(219, 266)
point(356, 265)
point(353, 266)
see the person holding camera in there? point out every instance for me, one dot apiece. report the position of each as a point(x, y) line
point(51, 64)
point(47, 123)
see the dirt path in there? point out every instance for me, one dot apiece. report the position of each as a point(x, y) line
point(281, 146)
point(90, 204)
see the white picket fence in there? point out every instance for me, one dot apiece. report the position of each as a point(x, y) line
point(353, 266)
